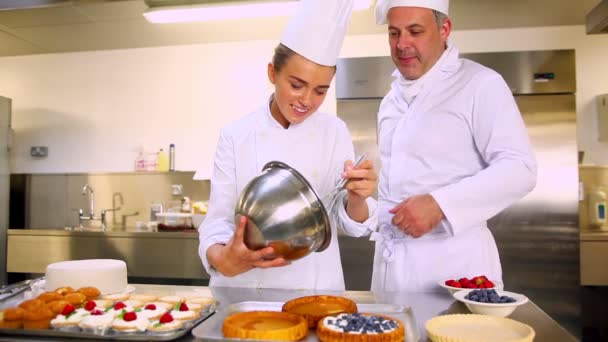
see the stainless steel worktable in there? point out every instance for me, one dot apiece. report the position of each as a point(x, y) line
point(424, 305)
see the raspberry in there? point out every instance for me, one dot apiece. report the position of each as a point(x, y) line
point(96, 312)
point(166, 318)
point(68, 309)
point(119, 305)
point(150, 307)
point(129, 316)
point(90, 305)
point(183, 307)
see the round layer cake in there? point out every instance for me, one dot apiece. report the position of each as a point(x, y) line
point(108, 275)
point(265, 325)
point(313, 308)
point(360, 327)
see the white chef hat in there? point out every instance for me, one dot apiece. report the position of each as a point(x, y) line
point(382, 7)
point(317, 29)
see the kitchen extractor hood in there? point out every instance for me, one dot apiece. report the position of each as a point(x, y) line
point(597, 19)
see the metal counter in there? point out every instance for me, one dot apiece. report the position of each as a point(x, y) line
point(424, 305)
point(147, 254)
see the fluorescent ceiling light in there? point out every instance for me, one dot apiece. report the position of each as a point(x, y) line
point(228, 10)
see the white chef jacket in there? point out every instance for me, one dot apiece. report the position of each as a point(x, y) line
point(317, 148)
point(462, 139)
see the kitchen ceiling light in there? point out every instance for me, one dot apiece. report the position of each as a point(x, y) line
point(210, 11)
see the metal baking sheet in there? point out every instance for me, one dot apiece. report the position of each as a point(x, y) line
point(212, 328)
point(113, 335)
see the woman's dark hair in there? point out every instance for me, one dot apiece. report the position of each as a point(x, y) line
point(281, 56)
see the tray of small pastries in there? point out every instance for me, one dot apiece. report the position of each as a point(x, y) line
point(85, 313)
point(311, 318)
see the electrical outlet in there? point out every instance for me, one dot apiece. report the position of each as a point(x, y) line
point(39, 151)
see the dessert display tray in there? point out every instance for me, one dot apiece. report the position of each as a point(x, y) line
point(212, 328)
point(114, 335)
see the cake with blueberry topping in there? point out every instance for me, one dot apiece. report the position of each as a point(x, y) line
point(360, 327)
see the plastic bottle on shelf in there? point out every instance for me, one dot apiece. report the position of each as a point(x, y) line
point(140, 160)
point(172, 157)
point(162, 164)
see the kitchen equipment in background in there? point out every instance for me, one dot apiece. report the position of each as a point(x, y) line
point(538, 237)
point(597, 208)
point(284, 212)
point(5, 136)
point(174, 222)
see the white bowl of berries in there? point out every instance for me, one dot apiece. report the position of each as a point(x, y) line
point(490, 302)
point(479, 282)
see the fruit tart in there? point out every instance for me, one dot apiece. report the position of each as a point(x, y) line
point(360, 327)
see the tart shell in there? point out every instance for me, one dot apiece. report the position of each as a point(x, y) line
point(314, 308)
point(257, 325)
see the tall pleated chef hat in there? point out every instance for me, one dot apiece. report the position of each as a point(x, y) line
point(317, 29)
point(382, 7)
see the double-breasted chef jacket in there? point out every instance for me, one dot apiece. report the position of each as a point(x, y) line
point(317, 148)
point(462, 139)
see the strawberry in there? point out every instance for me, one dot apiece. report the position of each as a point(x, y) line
point(90, 305)
point(464, 282)
point(68, 309)
point(183, 307)
point(477, 281)
point(119, 305)
point(97, 312)
point(150, 307)
point(489, 284)
point(129, 316)
point(453, 283)
point(166, 318)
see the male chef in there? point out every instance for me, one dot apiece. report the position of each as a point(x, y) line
point(454, 152)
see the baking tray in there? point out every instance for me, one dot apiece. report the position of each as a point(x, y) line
point(113, 335)
point(212, 328)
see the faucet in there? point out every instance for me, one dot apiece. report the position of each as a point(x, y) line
point(89, 189)
point(124, 218)
point(81, 217)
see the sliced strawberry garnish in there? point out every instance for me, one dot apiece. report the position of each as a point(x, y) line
point(90, 305)
point(150, 307)
point(183, 307)
point(97, 312)
point(68, 309)
point(129, 316)
point(119, 305)
point(166, 318)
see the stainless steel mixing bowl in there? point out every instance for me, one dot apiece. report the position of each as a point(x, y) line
point(283, 212)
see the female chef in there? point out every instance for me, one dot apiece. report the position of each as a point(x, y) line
point(288, 128)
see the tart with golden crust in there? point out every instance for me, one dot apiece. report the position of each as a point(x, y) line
point(360, 327)
point(265, 325)
point(313, 308)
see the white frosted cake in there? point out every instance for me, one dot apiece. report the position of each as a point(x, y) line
point(108, 275)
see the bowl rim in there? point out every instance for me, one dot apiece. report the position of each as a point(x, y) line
point(498, 285)
point(520, 299)
point(323, 246)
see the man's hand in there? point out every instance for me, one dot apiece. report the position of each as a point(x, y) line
point(235, 258)
point(361, 184)
point(417, 215)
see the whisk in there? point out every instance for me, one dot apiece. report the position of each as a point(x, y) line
point(329, 200)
